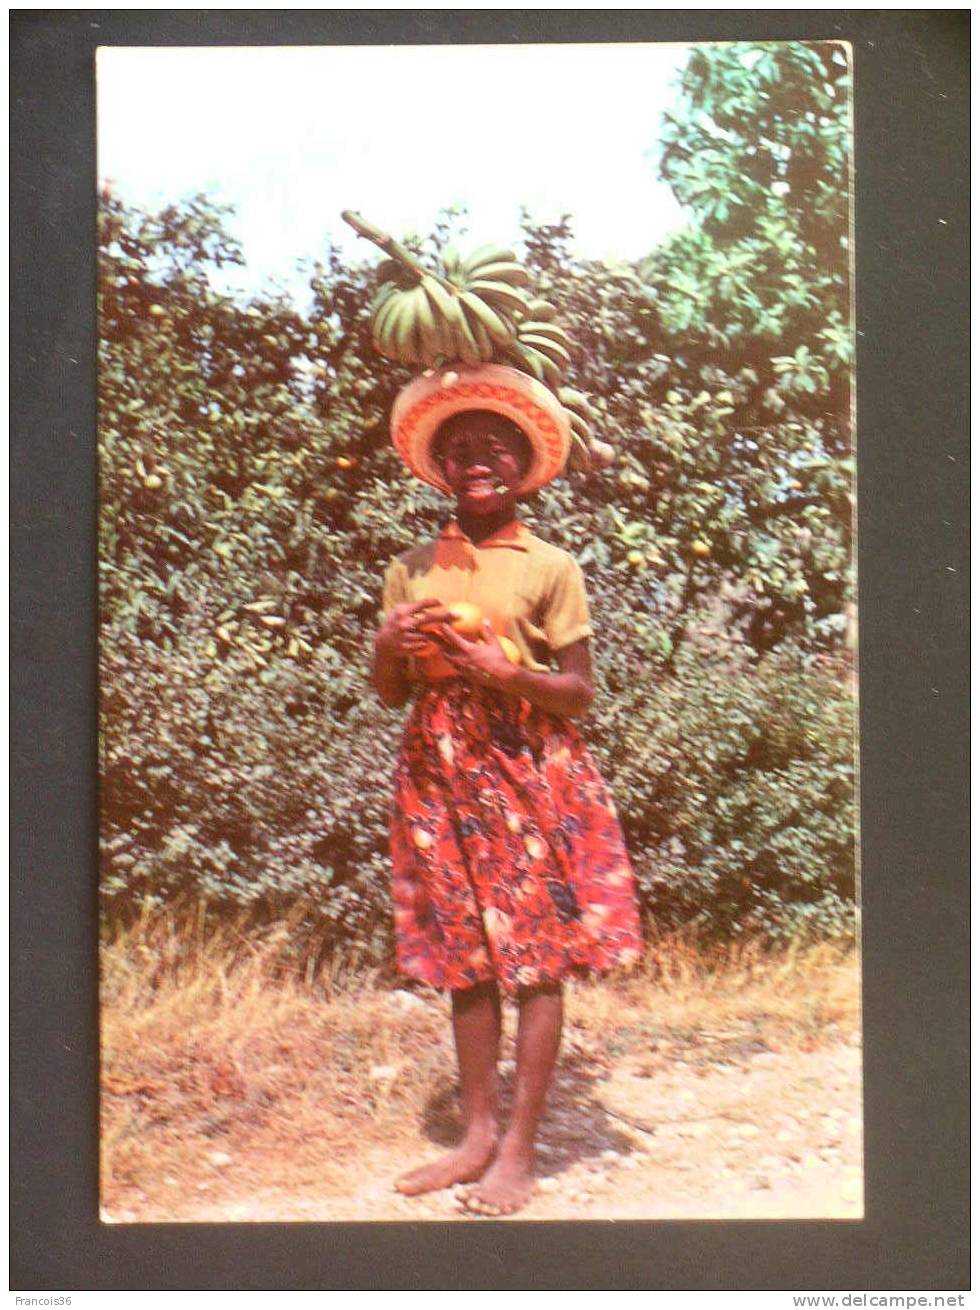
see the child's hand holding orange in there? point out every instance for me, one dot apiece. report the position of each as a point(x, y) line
point(403, 632)
point(487, 660)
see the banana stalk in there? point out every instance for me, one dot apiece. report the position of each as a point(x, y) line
point(391, 247)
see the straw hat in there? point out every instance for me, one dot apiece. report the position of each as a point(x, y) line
point(428, 401)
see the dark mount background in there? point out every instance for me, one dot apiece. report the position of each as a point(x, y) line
point(912, 276)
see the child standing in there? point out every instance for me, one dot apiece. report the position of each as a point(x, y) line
point(509, 868)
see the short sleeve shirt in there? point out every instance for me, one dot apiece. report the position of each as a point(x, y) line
point(530, 591)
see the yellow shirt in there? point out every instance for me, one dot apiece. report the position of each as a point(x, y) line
point(530, 591)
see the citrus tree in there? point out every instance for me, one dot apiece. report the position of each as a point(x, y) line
point(753, 300)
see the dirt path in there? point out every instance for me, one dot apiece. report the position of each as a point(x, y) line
point(731, 1129)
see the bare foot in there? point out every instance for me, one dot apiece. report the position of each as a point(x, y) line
point(506, 1186)
point(463, 1165)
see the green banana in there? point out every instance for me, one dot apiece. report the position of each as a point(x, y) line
point(500, 295)
point(550, 331)
point(541, 309)
point(488, 255)
point(424, 328)
point(393, 322)
point(579, 456)
point(448, 314)
point(430, 333)
point(464, 339)
point(552, 372)
point(558, 355)
point(578, 403)
point(514, 274)
point(530, 361)
point(418, 318)
point(383, 293)
point(382, 323)
point(452, 263)
point(388, 326)
point(498, 330)
point(579, 425)
point(384, 298)
point(482, 338)
point(403, 330)
point(523, 361)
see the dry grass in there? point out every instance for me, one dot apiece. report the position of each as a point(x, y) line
point(220, 1040)
point(684, 988)
point(212, 1040)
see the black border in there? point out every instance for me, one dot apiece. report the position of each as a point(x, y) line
point(912, 133)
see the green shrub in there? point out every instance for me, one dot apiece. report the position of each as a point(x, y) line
point(246, 788)
point(736, 789)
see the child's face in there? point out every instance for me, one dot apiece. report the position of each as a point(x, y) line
point(483, 460)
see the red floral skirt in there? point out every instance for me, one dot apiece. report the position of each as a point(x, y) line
point(508, 861)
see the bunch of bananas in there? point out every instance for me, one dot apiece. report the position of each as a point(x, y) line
point(468, 313)
point(586, 453)
point(542, 348)
point(477, 310)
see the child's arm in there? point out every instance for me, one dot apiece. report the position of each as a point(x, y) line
point(567, 692)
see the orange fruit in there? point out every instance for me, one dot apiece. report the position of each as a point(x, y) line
point(467, 618)
point(701, 549)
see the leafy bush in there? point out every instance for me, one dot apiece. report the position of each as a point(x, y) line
point(736, 791)
point(246, 792)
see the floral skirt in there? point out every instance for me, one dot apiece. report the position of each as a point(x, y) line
point(508, 861)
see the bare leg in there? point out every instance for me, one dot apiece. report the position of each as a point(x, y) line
point(509, 1182)
point(476, 1028)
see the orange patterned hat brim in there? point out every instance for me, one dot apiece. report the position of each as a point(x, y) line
point(427, 402)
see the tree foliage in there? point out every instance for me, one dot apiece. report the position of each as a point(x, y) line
point(758, 152)
point(750, 306)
